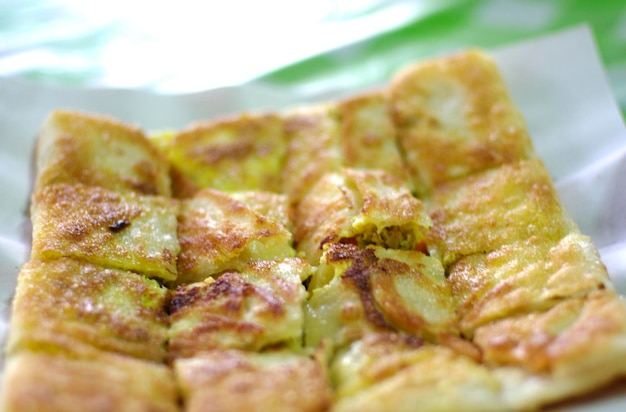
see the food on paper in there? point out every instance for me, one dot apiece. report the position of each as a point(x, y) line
point(402, 249)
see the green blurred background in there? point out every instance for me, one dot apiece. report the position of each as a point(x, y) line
point(459, 24)
point(310, 46)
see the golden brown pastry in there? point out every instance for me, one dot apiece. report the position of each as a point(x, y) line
point(273, 206)
point(401, 373)
point(125, 231)
point(313, 148)
point(524, 277)
point(233, 154)
point(454, 118)
point(217, 233)
point(63, 304)
point(43, 382)
point(223, 381)
point(368, 135)
point(361, 207)
point(95, 150)
point(378, 290)
point(494, 208)
point(258, 307)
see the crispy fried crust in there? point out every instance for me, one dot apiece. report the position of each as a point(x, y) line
point(99, 151)
point(569, 338)
point(356, 132)
point(362, 207)
point(233, 154)
point(63, 304)
point(46, 383)
point(251, 310)
point(523, 277)
point(399, 373)
point(124, 231)
point(368, 135)
point(379, 290)
point(455, 118)
point(501, 206)
point(219, 233)
point(273, 206)
point(223, 381)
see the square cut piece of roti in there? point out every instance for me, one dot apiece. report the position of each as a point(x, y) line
point(402, 373)
point(238, 153)
point(258, 307)
point(454, 118)
point(218, 233)
point(485, 211)
point(363, 207)
point(65, 304)
point(280, 381)
point(571, 349)
point(41, 382)
point(80, 148)
point(376, 290)
point(526, 276)
point(578, 336)
point(124, 231)
point(368, 135)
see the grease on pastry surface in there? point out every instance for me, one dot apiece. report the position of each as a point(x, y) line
point(65, 303)
point(490, 209)
point(524, 277)
point(125, 231)
point(258, 307)
point(368, 135)
point(402, 373)
point(99, 151)
point(217, 233)
point(236, 154)
point(378, 290)
point(455, 118)
point(362, 207)
point(47, 383)
point(313, 148)
point(232, 380)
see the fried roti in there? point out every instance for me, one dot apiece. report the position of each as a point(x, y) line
point(401, 249)
point(313, 148)
point(218, 233)
point(124, 231)
point(78, 148)
point(455, 118)
point(368, 135)
point(273, 206)
point(235, 154)
point(545, 356)
point(230, 380)
point(41, 382)
point(376, 290)
point(362, 207)
point(401, 373)
point(258, 307)
point(65, 303)
point(527, 276)
point(491, 209)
